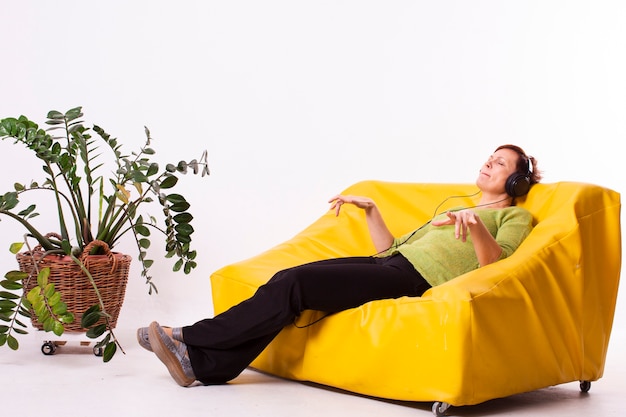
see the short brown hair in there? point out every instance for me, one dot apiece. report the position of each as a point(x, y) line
point(525, 164)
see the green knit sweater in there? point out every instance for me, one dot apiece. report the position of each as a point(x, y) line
point(438, 256)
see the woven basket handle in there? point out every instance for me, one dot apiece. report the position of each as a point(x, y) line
point(38, 248)
point(84, 258)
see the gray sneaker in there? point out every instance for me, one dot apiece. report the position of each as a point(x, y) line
point(173, 354)
point(143, 339)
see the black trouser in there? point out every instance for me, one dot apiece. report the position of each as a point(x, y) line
point(222, 347)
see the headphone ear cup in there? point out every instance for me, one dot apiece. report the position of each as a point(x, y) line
point(517, 185)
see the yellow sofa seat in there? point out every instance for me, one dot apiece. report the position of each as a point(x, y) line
point(538, 318)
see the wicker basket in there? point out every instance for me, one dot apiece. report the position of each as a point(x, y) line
point(109, 271)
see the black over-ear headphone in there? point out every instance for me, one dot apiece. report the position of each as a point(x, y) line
point(518, 183)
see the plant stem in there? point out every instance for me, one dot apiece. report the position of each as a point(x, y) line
point(45, 243)
point(100, 300)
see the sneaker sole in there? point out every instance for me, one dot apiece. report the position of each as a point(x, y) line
point(168, 357)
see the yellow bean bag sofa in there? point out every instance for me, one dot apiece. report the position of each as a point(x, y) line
point(539, 318)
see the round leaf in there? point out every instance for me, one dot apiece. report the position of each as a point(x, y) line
point(169, 182)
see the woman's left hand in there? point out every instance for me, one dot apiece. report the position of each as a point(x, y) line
point(462, 220)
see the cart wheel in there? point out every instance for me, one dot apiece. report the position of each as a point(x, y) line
point(48, 348)
point(440, 408)
point(585, 386)
point(98, 351)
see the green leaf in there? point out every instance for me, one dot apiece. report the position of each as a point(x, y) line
point(48, 291)
point(183, 218)
point(7, 304)
point(182, 167)
point(188, 267)
point(73, 114)
point(184, 229)
point(20, 323)
point(67, 318)
point(27, 211)
point(16, 275)
point(179, 207)
point(48, 324)
point(54, 298)
point(96, 331)
point(169, 182)
point(34, 295)
point(138, 176)
point(8, 295)
point(58, 328)
point(42, 277)
point(152, 169)
point(178, 265)
point(58, 307)
point(16, 247)
point(90, 319)
point(40, 309)
point(142, 230)
point(183, 239)
point(10, 285)
point(10, 200)
point(93, 308)
point(55, 115)
point(175, 198)
point(109, 351)
point(103, 342)
point(12, 342)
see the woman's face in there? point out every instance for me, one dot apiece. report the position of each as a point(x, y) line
point(494, 172)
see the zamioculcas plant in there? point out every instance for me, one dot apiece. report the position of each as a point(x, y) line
point(91, 208)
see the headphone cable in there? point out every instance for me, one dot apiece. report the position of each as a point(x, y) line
point(435, 214)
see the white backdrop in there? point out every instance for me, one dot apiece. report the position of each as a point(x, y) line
point(296, 100)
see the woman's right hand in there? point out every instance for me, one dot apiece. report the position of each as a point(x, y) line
point(380, 234)
point(358, 201)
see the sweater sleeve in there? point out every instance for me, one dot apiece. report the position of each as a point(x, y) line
point(512, 228)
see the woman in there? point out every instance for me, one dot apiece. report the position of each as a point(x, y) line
point(216, 350)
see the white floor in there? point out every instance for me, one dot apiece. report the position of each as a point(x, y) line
point(137, 384)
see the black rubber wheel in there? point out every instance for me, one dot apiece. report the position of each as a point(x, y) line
point(585, 386)
point(48, 348)
point(440, 408)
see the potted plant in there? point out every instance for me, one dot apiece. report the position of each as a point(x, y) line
point(94, 211)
